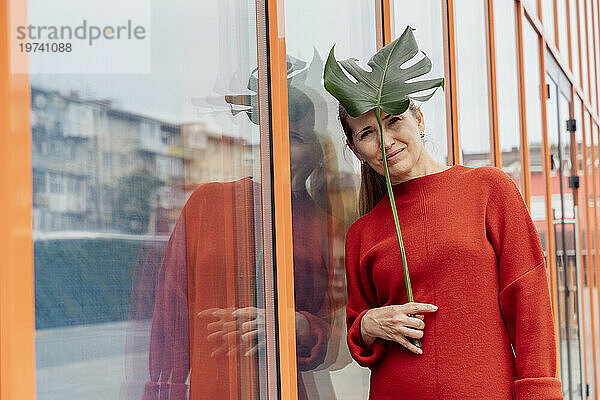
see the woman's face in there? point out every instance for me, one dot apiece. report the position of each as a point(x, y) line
point(401, 137)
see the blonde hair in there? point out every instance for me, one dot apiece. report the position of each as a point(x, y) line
point(372, 184)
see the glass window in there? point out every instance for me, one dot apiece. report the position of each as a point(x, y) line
point(590, 27)
point(574, 41)
point(507, 89)
point(596, 51)
point(148, 250)
point(584, 48)
point(472, 81)
point(426, 18)
point(325, 177)
point(563, 39)
point(592, 144)
point(533, 6)
point(533, 108)
point(548, 19)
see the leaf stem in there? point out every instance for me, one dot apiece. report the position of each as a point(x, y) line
point(388, 183)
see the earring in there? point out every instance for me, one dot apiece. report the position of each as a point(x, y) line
point(363, 162)
point(422, 135)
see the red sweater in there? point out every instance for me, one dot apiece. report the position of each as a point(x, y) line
point(472, 250)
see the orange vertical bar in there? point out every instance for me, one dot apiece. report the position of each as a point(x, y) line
point(388, 21)
point(521, 70)
point(451, 91)
point(384, 31)
point(548, 188)
point(266, 204)
point(17, 319)
point(495, 153)
point(284, 254)
point(590, 261)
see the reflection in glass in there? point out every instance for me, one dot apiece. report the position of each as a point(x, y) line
point(325, 177)
point(589, 317)
point(557, 106)
point(533, 109)
point(592, 209)
point(148, 244)
point(472, 80)
point(426, 18)
point(509, 124)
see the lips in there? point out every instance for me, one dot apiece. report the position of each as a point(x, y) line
point(387, 157)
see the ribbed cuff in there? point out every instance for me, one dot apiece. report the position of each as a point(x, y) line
point(537, 388)
point(364, 356)
point(165, 391)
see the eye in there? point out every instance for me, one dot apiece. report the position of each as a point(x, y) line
point(395, 119)
point(365, 134)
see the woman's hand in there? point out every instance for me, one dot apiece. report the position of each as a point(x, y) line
point(396, 323)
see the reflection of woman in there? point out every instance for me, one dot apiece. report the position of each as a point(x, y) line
point(206, 325)
point(472, 250)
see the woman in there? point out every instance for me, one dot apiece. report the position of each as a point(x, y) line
point(472, 250)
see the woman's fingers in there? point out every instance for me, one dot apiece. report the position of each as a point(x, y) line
point(412, 333)
point(409, 346)
point(416, 323)
point(414, 308)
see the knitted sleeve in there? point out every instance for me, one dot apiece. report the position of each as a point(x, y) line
point(524, 295)
point(361, 298)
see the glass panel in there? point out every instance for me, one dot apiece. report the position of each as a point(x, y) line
point(147, 219)
point(427, 19)
point(592, 55)
point(533, 104)
point(582, 155)
point(574, 41)
point(509, 125)
point(548, 19)
point(533, 6)
point(592, 223)
point(565, 256)
point(596, 50)
point(584, 47)
point(563, 39)
point(472, 81)
point(325, 176)
point(553, 128)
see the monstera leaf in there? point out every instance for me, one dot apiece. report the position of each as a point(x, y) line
point(386, 87)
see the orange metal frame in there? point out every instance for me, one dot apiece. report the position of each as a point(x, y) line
point(548, 185)
point(589, 256)
point(17, 320)
point(519, 12)
point(495, 153)
point(284, 252)
point(575, 171)
point(454, 153)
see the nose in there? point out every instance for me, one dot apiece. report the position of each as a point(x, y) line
point(388, 140)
